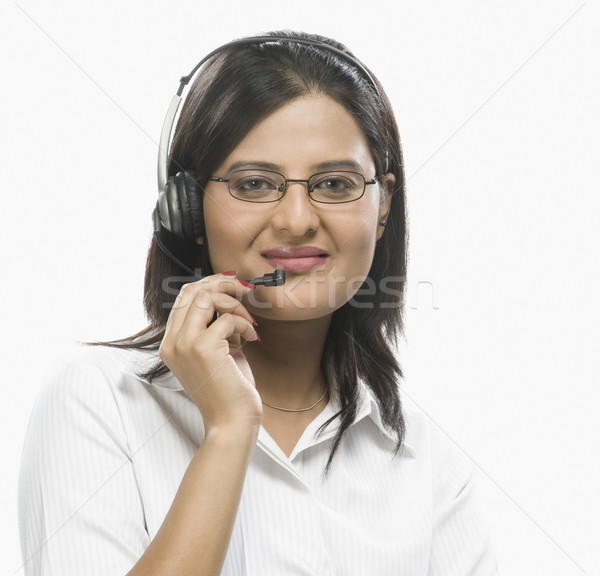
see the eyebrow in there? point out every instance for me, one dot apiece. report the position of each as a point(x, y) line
point(254, 164)
point(334, 164)
point(321, 166)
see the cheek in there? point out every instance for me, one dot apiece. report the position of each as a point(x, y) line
point(356, 238)
point(222, 237)
point(351, 271)
point(226, 248)
point(355, 257)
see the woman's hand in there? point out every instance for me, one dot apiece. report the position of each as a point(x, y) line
point(207, 357)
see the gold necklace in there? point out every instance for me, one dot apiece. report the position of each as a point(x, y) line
point(296, 409)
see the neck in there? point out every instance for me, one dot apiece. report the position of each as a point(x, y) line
point(287, 362)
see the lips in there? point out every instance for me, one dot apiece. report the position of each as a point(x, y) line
point(295, 259)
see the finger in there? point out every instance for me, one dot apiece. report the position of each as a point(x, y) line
point(201, 313)
point(228, 325)
point(225, 283)
point(181, 306)
point(212, 343)
point(223, 304)
point(188, 296)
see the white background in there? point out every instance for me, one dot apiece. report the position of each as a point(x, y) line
point(497, 104)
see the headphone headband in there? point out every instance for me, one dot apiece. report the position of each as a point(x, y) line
point(273, 39)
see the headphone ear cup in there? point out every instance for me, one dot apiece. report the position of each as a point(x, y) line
point(179, 207)
point(183, 204)
point(194, 199)
point(168, 208)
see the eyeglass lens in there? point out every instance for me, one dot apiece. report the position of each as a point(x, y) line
point(266, 186)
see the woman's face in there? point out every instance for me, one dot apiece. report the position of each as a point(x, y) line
point(326, 249)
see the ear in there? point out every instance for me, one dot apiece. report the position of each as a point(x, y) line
point(388, 181)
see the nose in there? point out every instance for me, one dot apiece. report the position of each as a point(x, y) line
point(295, 213)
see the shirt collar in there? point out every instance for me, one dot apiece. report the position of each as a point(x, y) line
point(144, 360)
point(167, 382)
point(368, 407)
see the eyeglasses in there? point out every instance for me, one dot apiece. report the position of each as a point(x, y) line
point(256, 185)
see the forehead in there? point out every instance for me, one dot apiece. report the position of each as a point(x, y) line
point(303, 134)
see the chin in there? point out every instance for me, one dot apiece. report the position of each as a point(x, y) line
point(294, 304)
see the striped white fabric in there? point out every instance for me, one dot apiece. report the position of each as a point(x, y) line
point(105, 453)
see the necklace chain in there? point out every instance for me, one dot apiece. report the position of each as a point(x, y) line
point(296, 409)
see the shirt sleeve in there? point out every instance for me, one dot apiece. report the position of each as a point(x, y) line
point(460, 542)
point(80, 511)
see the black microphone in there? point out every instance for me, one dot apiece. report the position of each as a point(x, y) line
point(277, 278)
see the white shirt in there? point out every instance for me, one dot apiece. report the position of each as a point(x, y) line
point(105, 453)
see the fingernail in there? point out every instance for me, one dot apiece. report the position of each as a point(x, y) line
point(247, 284)
point(229, 273)
point(253, 319)
point(257, 336)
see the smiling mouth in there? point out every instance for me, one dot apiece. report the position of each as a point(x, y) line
point(296, 259)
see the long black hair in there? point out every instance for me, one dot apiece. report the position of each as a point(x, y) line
point(236, 89)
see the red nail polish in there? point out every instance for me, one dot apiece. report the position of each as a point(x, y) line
point(253, 319)
point(229, 273)
point(247, 284)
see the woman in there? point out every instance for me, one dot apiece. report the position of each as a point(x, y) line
point(254, 429)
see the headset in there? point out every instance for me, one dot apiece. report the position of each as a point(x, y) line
point(179, 205)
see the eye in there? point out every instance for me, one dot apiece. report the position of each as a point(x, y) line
point(254, 183)
point(337, 184)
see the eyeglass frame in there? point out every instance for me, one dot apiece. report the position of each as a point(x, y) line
point(374, 180)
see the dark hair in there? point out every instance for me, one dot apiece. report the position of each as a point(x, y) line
point(236, 89)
